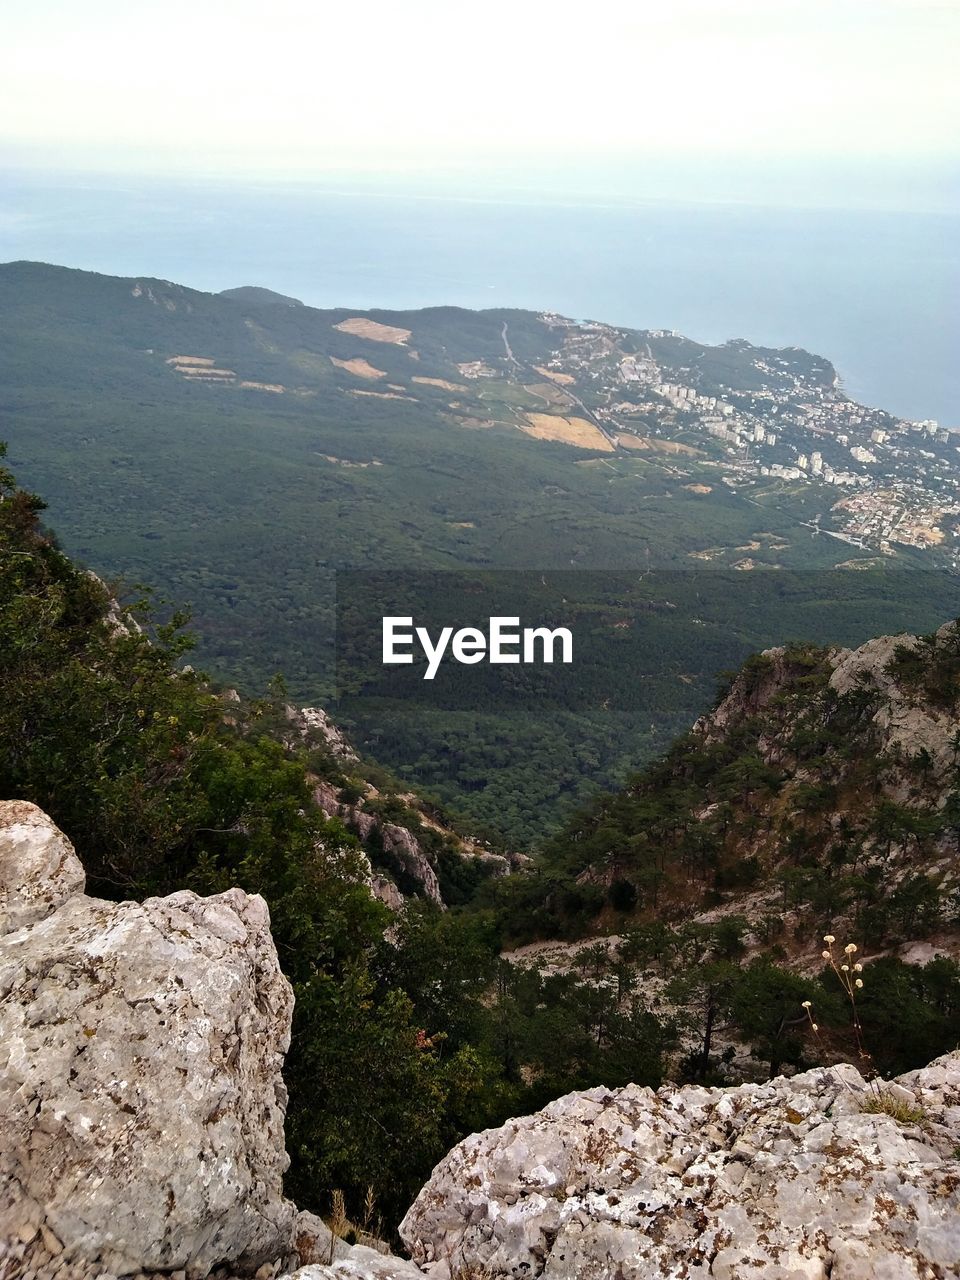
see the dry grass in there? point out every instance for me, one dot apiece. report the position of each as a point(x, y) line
point(359, 367)
point(373, 331)
point(885, 1103)
point(383, 395)
point(276, 387)
point(441, 383)
point(564, 379)
point(576, 431)
point(627, 441)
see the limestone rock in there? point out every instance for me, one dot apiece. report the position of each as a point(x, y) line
point(907, 723)
point(314, 721)
point(404, 845)
point(788, 1180)
point(397, 841)
point(141, 1100)
point(361, 1263)
point(38, 867)
point(315, 1243)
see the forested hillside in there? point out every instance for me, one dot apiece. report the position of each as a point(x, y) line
point(236, 452)
point(824, 787)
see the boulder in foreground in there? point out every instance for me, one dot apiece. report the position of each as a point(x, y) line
point(788, 1180)
point(141, 1046)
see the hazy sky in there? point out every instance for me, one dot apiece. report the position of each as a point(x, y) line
point(297, 88)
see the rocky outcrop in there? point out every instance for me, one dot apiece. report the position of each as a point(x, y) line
point(405, 847)
point(361, 1263)
point(397, 841)
point(39, 870)
point(789, 1180)
point(314, 723)
point(906, 724)
point(904, 721)
point(141, 1097)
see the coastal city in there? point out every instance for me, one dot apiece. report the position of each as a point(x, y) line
point(761, 417)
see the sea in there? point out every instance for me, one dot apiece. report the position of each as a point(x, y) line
point(876, 291)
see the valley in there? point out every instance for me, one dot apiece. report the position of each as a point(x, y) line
point(242, 453)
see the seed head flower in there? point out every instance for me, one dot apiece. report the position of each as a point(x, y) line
point(828, 937)
point(858, 968)
point(845, 968)
point(859, 982)
point(850, 948)
point(825, 954)
point(806, 1004)
point(815, 1026)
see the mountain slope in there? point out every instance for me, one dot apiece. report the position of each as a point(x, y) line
point(822, 794)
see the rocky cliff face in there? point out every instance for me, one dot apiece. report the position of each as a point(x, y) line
point(822, 793)
point(790, 1180)
point(907, 686)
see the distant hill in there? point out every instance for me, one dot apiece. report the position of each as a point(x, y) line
point(252, 295)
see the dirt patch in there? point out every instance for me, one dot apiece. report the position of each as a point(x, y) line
point(275, 387)
point(373, 331)
point(461, 524)
point(548, 392)
point(196, 361)
point(707, 488)
point(441, 383)
point(382, 395)
point(359, 367)
point(576, 431)
point(473, 424)
point(658, 446)
point(564, 379)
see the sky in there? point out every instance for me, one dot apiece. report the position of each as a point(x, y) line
point(830, 91)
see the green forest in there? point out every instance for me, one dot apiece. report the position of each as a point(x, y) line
point(254, 510)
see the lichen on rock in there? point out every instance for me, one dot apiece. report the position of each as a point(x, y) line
point(141, 1047)
point(778, 1181)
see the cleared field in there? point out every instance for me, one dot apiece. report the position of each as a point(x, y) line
point(564, 379)
point(190, 360)
point(276, 387)
point(547, 391)
point(441, 383)
point(359, 367)
point(382, 395)
point(576, 431)
point(706, 488)
point(626, 441)
point(372, 330)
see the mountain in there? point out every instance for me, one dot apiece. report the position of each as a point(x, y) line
point(238, 455)
point(820, 795)
point(254, 296)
